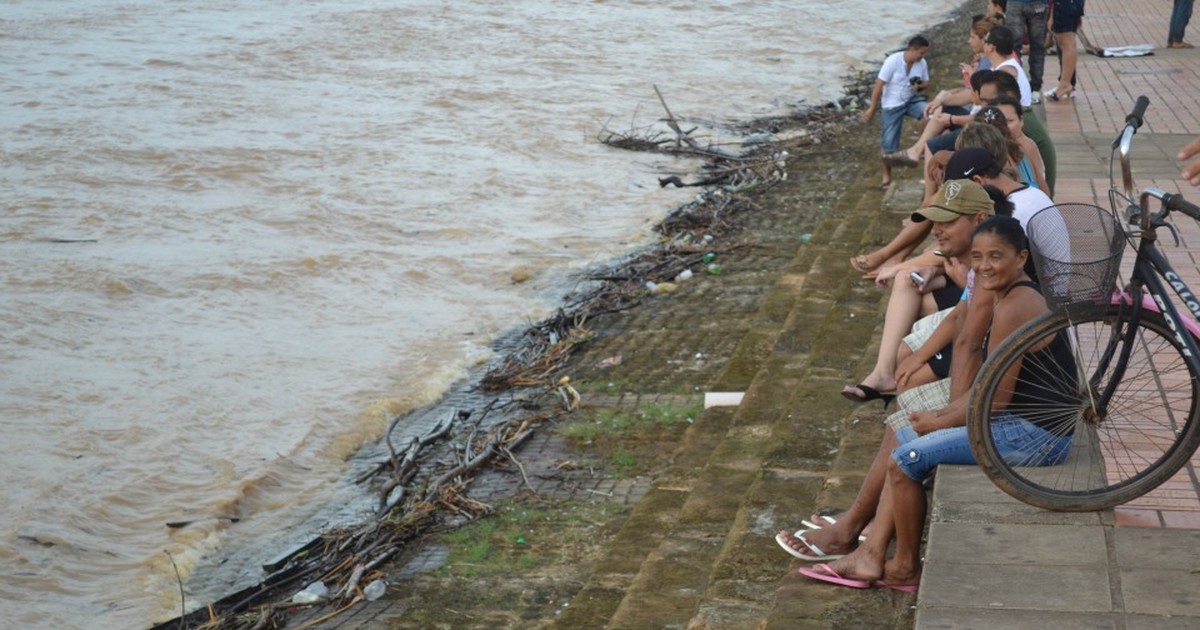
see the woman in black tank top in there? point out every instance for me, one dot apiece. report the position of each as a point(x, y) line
point(926, 439)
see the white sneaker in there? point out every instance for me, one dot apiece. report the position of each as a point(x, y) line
point(1035, 98)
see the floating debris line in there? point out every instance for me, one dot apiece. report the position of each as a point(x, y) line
point(422, 485)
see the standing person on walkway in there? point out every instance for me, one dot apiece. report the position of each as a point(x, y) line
point(1068, 17)
point(899, 92)
point(1029, 17)
point(1181, 13)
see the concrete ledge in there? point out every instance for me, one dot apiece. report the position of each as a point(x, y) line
point(993, 562)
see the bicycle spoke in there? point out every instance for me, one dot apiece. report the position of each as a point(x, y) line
point(1119, 448)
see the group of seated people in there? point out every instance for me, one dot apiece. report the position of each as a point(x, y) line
point(973, 286)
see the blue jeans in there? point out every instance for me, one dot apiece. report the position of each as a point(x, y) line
point(1029, 17)
point(1180, 14)
point(893, 121)
point(1017, 439)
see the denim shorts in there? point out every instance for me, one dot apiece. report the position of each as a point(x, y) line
point(1016, 438)
point(893, 121)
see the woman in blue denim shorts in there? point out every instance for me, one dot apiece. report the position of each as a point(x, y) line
point(898, 90)
point(922, 440)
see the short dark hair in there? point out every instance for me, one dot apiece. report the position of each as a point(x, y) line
point(1003, 4)
point(1000, 203)
point(1005, 83)
point(1007, 228)
point(979, 78)
point(1010, 100)
point(1002, 38)
point(918, 41)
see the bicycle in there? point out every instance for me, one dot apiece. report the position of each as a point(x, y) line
point(1131, 404)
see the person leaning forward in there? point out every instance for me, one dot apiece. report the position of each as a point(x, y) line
point(898, 92)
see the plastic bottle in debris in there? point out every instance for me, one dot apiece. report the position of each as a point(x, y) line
point(312, 593)
point(374, 590)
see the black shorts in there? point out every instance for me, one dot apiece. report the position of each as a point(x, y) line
point(1066, 15)
point(940, 363)
point(947, 296)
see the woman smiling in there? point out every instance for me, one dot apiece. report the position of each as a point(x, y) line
point(921, 440)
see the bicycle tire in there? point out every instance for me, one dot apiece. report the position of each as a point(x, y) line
point(1144, 435)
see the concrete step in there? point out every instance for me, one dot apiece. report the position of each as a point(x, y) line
point(699, 550)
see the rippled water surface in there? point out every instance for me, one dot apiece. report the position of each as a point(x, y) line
point(235, 237)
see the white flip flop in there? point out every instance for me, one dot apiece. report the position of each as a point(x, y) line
point(829, 520)
point(820, 556)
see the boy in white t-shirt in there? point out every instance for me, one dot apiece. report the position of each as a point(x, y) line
point(898, 92)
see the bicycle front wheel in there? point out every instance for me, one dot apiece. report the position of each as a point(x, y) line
point(1091, 453)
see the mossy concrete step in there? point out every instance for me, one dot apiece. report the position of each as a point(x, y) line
point(713, 566)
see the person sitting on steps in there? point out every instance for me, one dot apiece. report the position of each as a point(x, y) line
point(917, 442)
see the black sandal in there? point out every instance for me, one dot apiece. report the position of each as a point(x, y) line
point(869, 394)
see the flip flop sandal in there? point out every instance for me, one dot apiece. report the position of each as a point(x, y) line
point(820, 556)
point(869, 394)
point(900, 158)
point(829, 520)
point(861, 264)
point(825, 573)
point(903, 588)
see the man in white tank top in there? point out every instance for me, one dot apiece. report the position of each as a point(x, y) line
point(998, 46)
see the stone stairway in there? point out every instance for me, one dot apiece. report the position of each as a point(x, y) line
point(698, 550)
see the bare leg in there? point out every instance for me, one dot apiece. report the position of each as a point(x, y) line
point(887, 175)
point(908, 507)
point(931, 186)
point(901, 245)
point(868, 561)
point(936, 126)
point(842, 537)
point(1068, 55)
point(904, 306)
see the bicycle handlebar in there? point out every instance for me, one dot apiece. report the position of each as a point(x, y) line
point(1139, 110)
point(1176, 202)
point(1124, 141)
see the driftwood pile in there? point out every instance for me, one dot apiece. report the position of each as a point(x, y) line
point(422, 485)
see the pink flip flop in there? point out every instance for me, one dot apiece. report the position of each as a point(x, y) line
point(825, 573)
point(903, 588)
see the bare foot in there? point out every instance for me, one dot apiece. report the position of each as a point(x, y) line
point(830, 518)
point(900, 574)
point(862, 264)
point(821, 542)
point(882, 384)
point(859, 566)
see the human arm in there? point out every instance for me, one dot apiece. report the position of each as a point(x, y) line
point(1012, 312)
point(941, 337)
point(1191, 172)
point(982, 316)
point(1035, 160)
point(921, 263)
point(968, 345)
point(960, 97)
point(876, 95)
point(956, 271)
point(952, 415)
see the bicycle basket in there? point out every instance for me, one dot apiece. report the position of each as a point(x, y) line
point(1076, 249)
